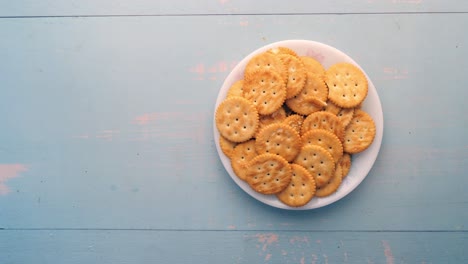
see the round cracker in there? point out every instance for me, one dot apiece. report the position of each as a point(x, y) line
point(332, 108)
point(227, 146)
point(236, 119)
point(332, 185)
point(283, 50)
point(326, 140)
point(360, 132)
point(237, 89)
point(313, 66)
point(345, 163)
point(318, 162)
point(323, 120)
point(296, 74)
point(347, 85)
point(314, 87)
point(268, 173)
point(266, 90)
point(345, 115)
point(279, 139)
point(300, 190)
point(266, 61)
point(294, 121)
point(276, 117)
point(243, 153)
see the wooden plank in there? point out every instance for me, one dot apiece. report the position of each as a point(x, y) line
point(184, 7)
point(86, 246)
point(107, 122)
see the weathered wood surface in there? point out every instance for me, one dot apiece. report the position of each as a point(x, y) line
point(106, 139)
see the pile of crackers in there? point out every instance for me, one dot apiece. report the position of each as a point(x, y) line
point(290, 126)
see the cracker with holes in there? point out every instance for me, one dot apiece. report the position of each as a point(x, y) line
point(323, 120)
point(295, 122)
point(360, 132)
point(300, 190)
point(276, 117)
point(313, 66)
point(266, 61)
point(314, 87)
point(268, 173)
point(266, 90)
point(347, 85)
point(237, 89)
point(242, 153)
point(332, 108)
point(345, 163)
point(318, 162)
point(332, 185)
point(279, 139)
point(227, 146)
point(345, 115)
point(296, 74)
point(326, 140)
point(236, 119)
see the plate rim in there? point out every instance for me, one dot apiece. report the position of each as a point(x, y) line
point(375, 146)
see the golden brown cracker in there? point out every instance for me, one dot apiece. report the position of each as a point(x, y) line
point(332, 108)
point(325, 139)
point(316, 101)
point(294, 121)
point(313, 66)
point(332, 185)
point(276, 117)
point(345, 115)
point(347, 85)
point(283, 50)
point(268, 173)
point(323, 120)
point(300, 190)
point(360, 132)
point(345, 163)
point(279, 139)
point(237, 89)
point(318, 162)
point(266, 61)
point(227, 146)
point(296, 74)
point(314, 87)
point(236, 119)
point(242, 153)
point(266, 90)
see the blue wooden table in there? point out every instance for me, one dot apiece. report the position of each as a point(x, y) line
point(106, 144)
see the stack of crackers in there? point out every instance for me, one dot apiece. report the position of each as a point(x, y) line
point(290, 126)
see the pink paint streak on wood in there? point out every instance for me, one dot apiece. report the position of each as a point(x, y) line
point(9, 171)
point(302, 260)
point(314, 259)
point(223, 1)
point(267, 239)
point(231, 227)
point(298, 239)
point(212, 72)
point(244, 23)
point(388, 252)
point(267, 257)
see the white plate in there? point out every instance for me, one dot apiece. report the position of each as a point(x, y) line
point(361, 163)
